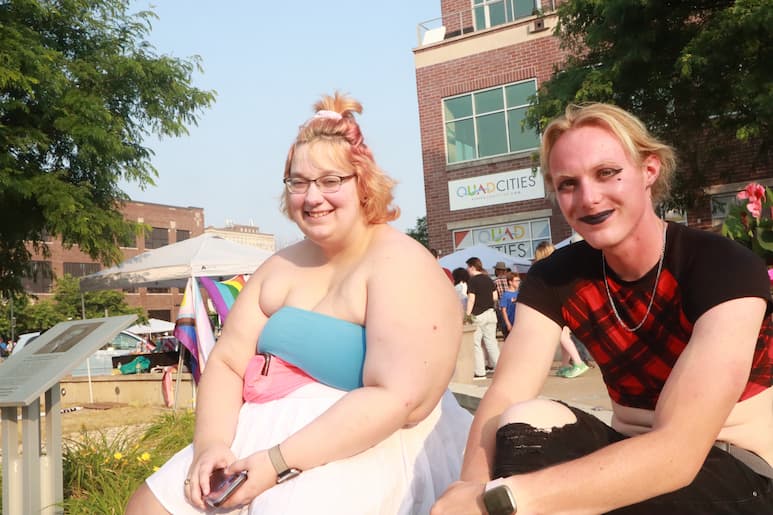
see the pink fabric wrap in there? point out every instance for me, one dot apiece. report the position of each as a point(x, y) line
point(281, 379)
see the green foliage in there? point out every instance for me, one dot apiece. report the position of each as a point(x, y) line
point(420, 233)
point(80, 91)
point(754, 233)
point(97, 304)
point(39, 315)
point(687, 69)
point(101, 471)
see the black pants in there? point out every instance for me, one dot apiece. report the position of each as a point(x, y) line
point(724, 485)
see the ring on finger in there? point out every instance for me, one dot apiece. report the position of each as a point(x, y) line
point(187, 481)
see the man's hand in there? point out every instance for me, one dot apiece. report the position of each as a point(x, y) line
point(461, 498)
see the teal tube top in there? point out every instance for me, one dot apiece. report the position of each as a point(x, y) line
point(329, 349)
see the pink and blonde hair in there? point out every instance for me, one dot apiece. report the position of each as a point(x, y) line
point(341, 141)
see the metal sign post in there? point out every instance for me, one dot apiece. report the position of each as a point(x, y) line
point(32, 479)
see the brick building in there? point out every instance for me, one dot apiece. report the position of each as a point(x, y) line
point(169, 224)
point(476, 66)
point(246, 235)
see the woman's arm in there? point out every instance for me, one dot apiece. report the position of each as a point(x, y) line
point(220, 389)
point(412, 345)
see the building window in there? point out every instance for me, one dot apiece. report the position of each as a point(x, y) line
point(518, 239)
point(160, 314)
point(157, 238)
point(490, 13)
point(487, 123)
point(40, 279)
point(678, 216)
point(182, 235)
point(129, 241)
point(158, 290)
point(720, 206)
point(80, 269)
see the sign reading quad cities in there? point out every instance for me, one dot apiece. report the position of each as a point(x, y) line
point(498, 188)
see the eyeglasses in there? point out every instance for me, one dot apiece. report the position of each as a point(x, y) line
point(325, 184)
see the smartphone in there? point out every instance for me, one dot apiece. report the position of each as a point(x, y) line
point(222, 486)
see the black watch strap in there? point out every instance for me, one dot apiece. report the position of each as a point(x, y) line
point(283, 472)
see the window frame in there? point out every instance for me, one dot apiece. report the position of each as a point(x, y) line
point(506, 110)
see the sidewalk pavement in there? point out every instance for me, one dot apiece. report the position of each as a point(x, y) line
point(586, 392)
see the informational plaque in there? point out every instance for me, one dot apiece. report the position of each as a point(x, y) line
point(27, 374)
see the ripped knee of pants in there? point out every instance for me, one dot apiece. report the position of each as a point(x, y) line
point(541, 414)
point(533, 436)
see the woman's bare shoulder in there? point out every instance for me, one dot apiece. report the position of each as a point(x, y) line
point(394, 243)
point(302, 253)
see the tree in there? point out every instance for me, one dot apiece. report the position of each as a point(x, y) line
point(689, 70)
point(420, 233)
point(41, 315)
point(67, 296)
point(80, 91)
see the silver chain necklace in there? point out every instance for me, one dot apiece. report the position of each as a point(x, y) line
point(654, 288)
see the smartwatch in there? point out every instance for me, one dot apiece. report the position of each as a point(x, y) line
point(283, 472)
point(499, 499)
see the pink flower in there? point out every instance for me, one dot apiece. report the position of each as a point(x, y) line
point(756, 195)
point(752, 191)
point(770, 274)
point(755, 208)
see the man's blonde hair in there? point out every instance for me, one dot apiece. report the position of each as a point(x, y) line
point(629, 130)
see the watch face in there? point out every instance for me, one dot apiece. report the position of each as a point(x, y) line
point(288, 474)
point(499, 501)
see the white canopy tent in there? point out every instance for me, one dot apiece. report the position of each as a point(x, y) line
point(154, 326)
point(488, 256)
point(207, 255)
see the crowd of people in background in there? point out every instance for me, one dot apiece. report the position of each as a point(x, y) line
point(6, 347)
point(504, 286)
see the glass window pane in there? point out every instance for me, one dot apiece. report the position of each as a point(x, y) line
point(488, 101)
point(480, 18)
point(492, 138)
point(458, 107)
point(523, 8)
point(540, 229)
point(520, 140)
point(518, 94)
point(496, 14)
point(460, 141)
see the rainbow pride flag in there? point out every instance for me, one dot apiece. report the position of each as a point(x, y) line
point(223, 293)
point(193, 328)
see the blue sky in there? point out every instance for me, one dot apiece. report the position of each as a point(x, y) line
point(269, 62)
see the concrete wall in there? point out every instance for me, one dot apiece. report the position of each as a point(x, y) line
point(134, 390)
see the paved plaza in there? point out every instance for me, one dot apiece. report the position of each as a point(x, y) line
point(586, 392)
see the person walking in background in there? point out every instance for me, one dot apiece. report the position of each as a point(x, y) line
point(346, 386)
point(461, 276)
point(481, 302)
point(687, 359)
point(508, 299)
point(571, 363)
point(500, 281)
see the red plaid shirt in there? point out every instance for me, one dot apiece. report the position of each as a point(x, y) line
point(569, 288)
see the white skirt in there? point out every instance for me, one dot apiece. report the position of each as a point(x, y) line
point(403, 474)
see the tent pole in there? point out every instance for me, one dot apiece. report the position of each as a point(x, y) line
point(181, 352)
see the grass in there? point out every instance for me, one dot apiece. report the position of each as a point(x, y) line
point(102, 467)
